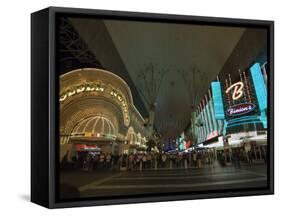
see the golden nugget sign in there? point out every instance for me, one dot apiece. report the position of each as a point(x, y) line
point(101, 89)
point(237, 90)
point(80, 89)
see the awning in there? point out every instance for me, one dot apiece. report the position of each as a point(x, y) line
point(84, 147)
point(260, 139)
point(212, 140)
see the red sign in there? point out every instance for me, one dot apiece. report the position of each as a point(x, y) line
point(187, 144)
point(80, 147)
point(240, 109)
point(212, 135)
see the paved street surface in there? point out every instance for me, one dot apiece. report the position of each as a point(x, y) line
point(93, 184)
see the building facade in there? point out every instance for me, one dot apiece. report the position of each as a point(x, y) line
point(233, 113)
point(97, 113)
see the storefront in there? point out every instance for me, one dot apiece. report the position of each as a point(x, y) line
point(241, 103)
point(97, 110)
point(233, 113)
point(206, 128)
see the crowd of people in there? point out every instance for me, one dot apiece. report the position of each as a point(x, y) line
point(239, 155)
point(101, 161)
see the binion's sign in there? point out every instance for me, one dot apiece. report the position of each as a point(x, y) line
point(240, 109)
point(237, 90)
point(239, 97)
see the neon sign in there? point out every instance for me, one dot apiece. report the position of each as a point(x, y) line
point(240, 109)
point(98, 88)
point(238, 90)
point(81, 147)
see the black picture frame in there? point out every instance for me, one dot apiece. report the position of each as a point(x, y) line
point(44, 106)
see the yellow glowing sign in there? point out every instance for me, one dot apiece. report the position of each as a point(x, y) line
point(98, 88)
point(80, 89)
point(237, 91)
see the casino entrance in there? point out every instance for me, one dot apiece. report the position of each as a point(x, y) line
point(95, 134)
point(96, 113)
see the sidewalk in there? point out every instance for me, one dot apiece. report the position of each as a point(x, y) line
point(204, 166)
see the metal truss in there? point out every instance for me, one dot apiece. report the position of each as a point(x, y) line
point(73, 47)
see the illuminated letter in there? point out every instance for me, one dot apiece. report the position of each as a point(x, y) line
point(237, 92)
point(63, 97)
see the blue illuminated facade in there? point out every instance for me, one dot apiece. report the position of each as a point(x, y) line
point(254, 94)
point(261, 91)
point(218, 114)
point(205, 123)
point(218, 101)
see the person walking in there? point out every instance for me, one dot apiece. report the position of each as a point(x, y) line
point(135, 161)
point(263, 152)
point(164, 159)
point(139, 161)
point(144, 160)
point(250, 157)
point(108, 161)
point(194, 155)
point(131, 162)
point(96, 161)
point(101, 161)
point(149, 161)
point(199, 159)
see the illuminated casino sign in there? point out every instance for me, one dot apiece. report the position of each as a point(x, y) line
point(239, 96)
point(240, 109)
point(237, 90)
point(84, 147)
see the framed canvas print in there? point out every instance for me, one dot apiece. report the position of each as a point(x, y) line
point(138, 107)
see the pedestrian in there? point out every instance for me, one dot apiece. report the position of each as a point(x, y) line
point(139, 161)
point(108, 161)
point(74, 162)
point(96, 162)
point(131, 161)
point(194, 155)
point(177, 159)
point(199, 159)
point(149, 160)
point(250, 157)
point(135, 161)
point(263, 151)
point(164, 159)
point(221, 159)
point(119, 161)
point(101, 161)
point(87, 163)
point(144, 159)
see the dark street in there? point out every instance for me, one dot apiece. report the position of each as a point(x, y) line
point(175, 180)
